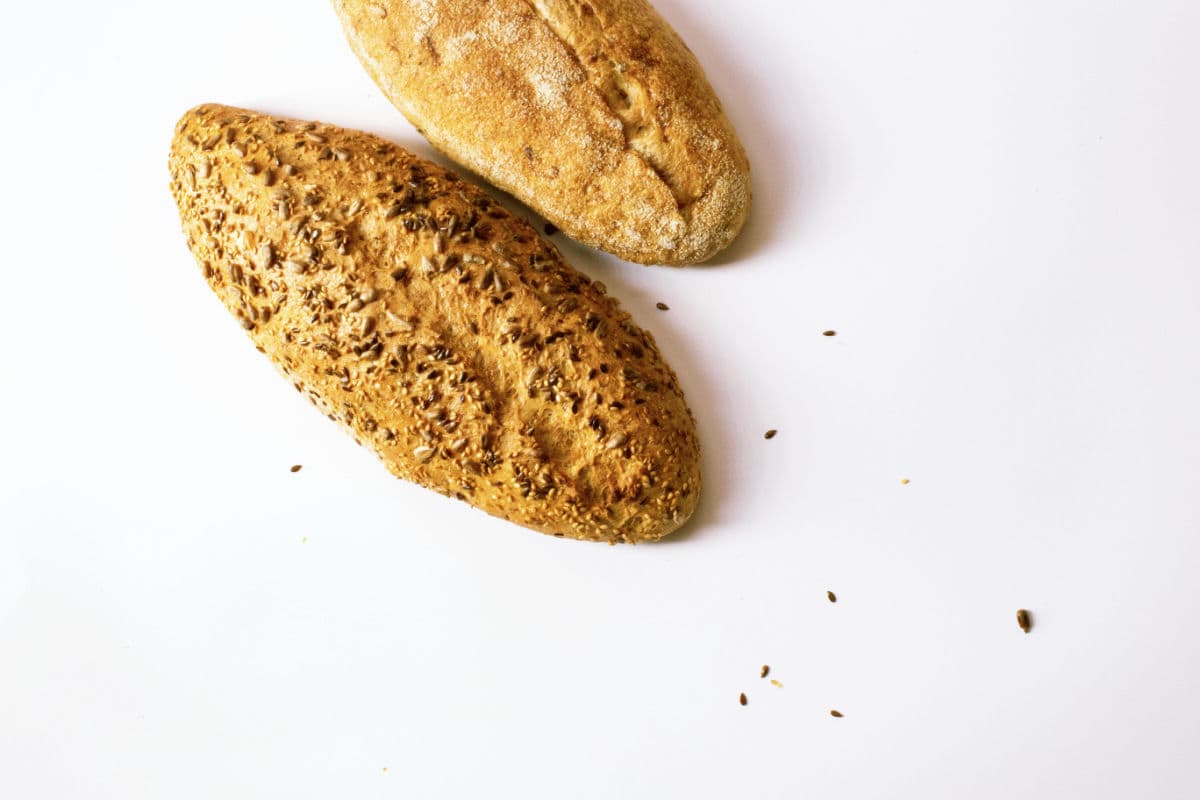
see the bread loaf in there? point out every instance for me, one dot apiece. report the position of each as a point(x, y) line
point(438, 328)
point(594, 113)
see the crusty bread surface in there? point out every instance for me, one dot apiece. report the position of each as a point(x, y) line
point(435, 326)
point(595, 114)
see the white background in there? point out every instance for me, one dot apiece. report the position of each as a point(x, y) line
point(995, 204)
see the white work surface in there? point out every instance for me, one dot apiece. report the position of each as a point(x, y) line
point(996, 205)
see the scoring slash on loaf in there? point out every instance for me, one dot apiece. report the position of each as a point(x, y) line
point(438, 328)
point(595, 114)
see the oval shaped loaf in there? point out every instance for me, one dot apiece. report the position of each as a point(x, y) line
point(595, 114)
point(436, 326)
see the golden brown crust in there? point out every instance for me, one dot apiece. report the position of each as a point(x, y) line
point(436, 326)
point(593, 113)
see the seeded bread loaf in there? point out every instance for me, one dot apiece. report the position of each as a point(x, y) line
point(438, 328)
point(593, 113)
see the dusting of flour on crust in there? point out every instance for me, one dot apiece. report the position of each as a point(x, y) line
point(591, 111)
point(427, 17)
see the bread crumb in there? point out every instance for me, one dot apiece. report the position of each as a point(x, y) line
point(835, 713)
point(1024, 620)
point(765, 671)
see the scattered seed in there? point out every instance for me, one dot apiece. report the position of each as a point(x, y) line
point(836, 713)
point(1024, 620)
point(296, 467)
point(776, 684)
point(829, 333)
point(662, 306)
point(264, 256)
point(765, 671)
point(550, 229)
point(832, 597)
point(742, 698)
point(904, 481)
point(770, 434)
point(401, 324)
